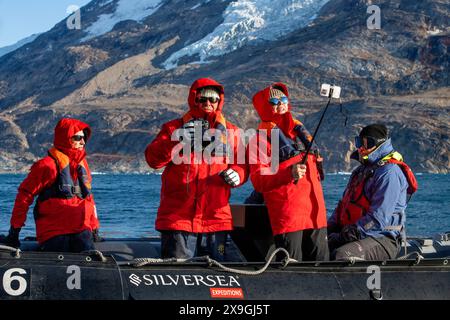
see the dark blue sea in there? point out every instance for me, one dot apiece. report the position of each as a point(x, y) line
point(127, 204)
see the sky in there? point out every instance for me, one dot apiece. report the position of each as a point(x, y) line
point(22, 18)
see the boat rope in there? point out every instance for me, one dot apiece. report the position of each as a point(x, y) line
point(16, 251)
point(419, 257)
point(139, 262)
point(286, 261)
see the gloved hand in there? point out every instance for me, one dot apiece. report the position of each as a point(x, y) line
point(350, 233)
point(319, 164)
point(12, 239)
point(334, 237)
point(96, 236)
point(190, 128)
point(334, 241)
point(298, 171)
point(231, 177)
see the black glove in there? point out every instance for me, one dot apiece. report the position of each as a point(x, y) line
point(190, 128)
point(319, 164)
point(96, 236)
point(350, 233)
point(231, 177)
point(12, 239)
point(334, 241)
point(334, 237)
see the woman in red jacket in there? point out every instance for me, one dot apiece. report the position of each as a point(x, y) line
point(64, 212)
point(194, 216)
point(292, 192)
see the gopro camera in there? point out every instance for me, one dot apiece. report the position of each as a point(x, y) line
point(330, 91)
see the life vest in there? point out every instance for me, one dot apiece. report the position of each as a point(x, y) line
point(64, 187)
point(354, 203)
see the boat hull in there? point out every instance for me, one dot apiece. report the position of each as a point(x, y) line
point(57, 276)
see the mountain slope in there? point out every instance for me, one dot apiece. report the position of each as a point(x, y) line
point(129, 69)
point(18, 44)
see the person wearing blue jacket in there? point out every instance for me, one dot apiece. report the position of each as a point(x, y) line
point(369, 219)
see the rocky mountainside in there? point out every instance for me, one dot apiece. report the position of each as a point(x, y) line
point(17, 45)
point(129, 68)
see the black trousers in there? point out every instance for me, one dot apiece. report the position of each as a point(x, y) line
point(304, 245)
point(382, 248)
point(185, 245)
point(76, 242)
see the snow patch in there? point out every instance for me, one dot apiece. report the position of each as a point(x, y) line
point(247, 21)
point(126, 10)
point(201, 3)
point(105, 2)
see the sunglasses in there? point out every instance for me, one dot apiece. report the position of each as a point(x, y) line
point(211, 99)
point(276, 101)
point(371, 142)
point(77, 138)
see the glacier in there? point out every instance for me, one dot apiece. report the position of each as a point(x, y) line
point(247, 21)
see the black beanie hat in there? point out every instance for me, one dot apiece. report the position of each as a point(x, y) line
point(378, 131)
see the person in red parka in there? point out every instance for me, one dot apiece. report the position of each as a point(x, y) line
point(64, 212)
point(194, 216)
point(292, 192)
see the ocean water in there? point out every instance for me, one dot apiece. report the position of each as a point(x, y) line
point(127, 204)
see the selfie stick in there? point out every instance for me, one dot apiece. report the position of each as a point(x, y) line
point(305, 157)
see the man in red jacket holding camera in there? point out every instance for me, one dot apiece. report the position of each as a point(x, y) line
point(194, 216)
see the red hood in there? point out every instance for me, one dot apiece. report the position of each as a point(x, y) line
point(198, 84)
point(64, 130)
point(261, 103)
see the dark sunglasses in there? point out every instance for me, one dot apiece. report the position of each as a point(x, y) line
point(276, 101)
point(211, 99)
point(77, 138)
point(371, 142)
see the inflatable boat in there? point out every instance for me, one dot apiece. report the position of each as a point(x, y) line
point(130, 269)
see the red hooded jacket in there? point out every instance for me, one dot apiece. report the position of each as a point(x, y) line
point(194, 198)
point(57, 216)
point(292, 207)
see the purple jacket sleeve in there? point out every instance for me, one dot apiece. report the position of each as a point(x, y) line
point(386, 193)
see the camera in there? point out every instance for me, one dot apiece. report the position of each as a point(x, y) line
point(330, 91)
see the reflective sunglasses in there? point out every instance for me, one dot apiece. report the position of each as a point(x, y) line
point(211, 99)
point(276, 101)
point(371, 142)
point(77, 138)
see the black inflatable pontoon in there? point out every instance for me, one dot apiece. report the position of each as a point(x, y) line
point(130, 269)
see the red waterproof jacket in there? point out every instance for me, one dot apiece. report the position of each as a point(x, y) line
point(292, 207)
point(194, 198)
point(57, 213)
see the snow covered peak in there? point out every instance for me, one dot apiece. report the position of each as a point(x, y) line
point(247, 21)
point(125, 10)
